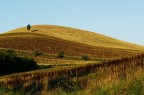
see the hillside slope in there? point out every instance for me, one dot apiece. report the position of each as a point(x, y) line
point(80, 36)
point(54, 39)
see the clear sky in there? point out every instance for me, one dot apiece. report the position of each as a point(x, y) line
point(121, 19)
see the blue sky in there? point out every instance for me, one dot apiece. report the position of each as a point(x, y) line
point(121, 19)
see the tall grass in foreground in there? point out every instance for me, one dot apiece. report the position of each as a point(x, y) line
point(122, 86)
point(119, 86)
point(70, 80)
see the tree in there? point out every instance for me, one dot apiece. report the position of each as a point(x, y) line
point(28, 27)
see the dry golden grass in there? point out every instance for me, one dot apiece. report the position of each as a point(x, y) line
point(61, 62)
point(80, 36)
point(54, 39)
point(104, 73)
point(53, 45)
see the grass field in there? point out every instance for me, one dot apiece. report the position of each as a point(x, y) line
point(52, 45)
point(54, 39)
point(88, 79)
point(112, 62)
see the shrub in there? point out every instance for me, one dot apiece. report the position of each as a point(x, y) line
point(37, 52)
point(61, 55)
point(10, 63)
point(85, 57)
point(10, 51)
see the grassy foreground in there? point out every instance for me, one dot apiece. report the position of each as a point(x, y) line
point(132, 85)
point(93, 79)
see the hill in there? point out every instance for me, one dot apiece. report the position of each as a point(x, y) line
point(80, 36)
point(53, 39)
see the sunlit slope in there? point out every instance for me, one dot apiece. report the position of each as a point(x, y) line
point(80, 36)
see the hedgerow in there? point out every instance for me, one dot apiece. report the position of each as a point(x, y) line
point(11, 63)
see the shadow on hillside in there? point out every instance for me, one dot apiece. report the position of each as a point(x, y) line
point(34, 30)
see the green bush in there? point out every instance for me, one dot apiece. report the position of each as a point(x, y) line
point(85, 57)
point(10, 51)
point(11, 63)
point(61, 55)
point(37, 53)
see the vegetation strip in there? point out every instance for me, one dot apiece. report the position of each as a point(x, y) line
point(112, 69)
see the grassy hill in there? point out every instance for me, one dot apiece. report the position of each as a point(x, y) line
point(54, 39)
point(80, 36)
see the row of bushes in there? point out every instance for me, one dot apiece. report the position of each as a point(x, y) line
point(61, 55)
point(84, 57)
point(11, 63)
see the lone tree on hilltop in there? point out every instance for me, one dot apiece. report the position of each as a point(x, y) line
point(28, 27)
